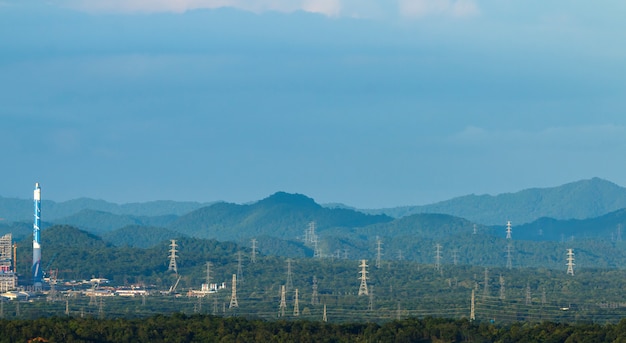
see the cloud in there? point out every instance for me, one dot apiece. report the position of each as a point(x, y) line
point(608, 137)
point(325, 7)
point(330, 8)
point(422, 8)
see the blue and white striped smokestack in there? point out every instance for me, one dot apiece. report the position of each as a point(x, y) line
point(37, 272)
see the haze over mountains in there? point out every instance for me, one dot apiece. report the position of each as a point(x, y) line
point(587, 214)
point(576, 200)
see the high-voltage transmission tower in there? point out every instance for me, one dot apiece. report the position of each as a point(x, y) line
point(310, 238)
point(619, 233)
point(283, 302)
point(455, 256)
point(324, 317)
point(296, 305)
point(508, 230)
point(314, 297)
point(570, 261)
point(379, 249)
point(253, 257)
point(363, 278)
point(173, 267)
point(289, 284)
point(233, 295)
point(502, 290)
point(371, 296)
point(486, 283)
point(509, 260)
point(239, 266)
point(529, 299)
point(438, 256)
point(472, 308)
point(475, 229)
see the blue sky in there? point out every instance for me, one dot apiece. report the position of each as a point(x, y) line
point(369, 103)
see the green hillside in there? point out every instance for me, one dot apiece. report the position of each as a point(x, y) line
point(400, 288)
point(281, 215)
point(609, 227)
point(139, 236)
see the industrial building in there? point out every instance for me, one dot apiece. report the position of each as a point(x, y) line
point(8, 277)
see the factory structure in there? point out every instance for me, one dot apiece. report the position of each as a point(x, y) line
point(37, 272)
point(8, 277)
point(8, 256)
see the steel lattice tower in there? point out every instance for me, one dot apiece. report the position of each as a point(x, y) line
point(283, 302)
point(173, 267)
point(239, 266)
point(472, 308)
point(233, 295)
point(486, 283)
point(371, 296)
point(254, 250)
point(289, 284)
point(570, 262)
point(379, 249)
point(529, 299)
point(314, 298)
point(438, 257)
point(508, 230)
point(502, 290)
point(363, 278)
point(509, 261)
point(296, 305)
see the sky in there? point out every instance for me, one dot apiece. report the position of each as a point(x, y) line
point(369, 103)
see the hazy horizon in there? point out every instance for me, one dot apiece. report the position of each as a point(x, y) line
point(367, 103)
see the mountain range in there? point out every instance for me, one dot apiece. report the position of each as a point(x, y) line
point(280, 223)
point(576, 200)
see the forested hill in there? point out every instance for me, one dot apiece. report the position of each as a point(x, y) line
point(608, 227)
point(577, 200)
point(281, 215)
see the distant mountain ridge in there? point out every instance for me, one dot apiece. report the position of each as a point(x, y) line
point(282, 215)
point(12, 209)
point(576, 200)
